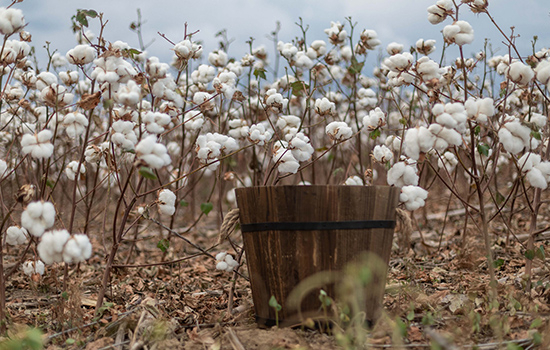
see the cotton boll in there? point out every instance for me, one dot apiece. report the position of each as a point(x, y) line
point(438, 12)
point(301, 148)
point(37, 217)
point(543, 72)
point(369, 39)
point(382, 154)
point(152, 153)
point(11, 20)
point(447, 160)
point(3, 168)
point(514, 136)
point(394, 48)
point(50, 248)
point(460, 33)
point(336, 33)
point(324, 106)
point(286, 161)
point(536, 118)
point(81, 55)
point(480, 109)
point(16, 235)
point(401, 174)
point(536, 178)
point(338, 131)
point(193, 120)
point(72, 169)
point(418, 140)
point(166, 202)
point(375, 119)
point(31, 267)
point(425, 47)
point(400, 62)
point(77, 249)
point(258, 134)
point(413, 197)
point(520, 73)
point(428, 69)
point(354, 180)
point(37, 145)
point(529, 160)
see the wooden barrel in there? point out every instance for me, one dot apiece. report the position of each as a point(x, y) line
point(293, 232)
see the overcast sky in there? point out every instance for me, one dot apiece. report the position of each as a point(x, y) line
point(402, 21)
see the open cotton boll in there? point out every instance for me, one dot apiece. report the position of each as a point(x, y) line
point(338, 131)
point(37, 145)
point(77, 249)
point(515, 137)
point(413, 197)
point(156, 122)
point(529, 160)
point(425, 47)
point(402, 174)
point(166, 202)
point(129, 94)
point(536, 178)
point(336, 33)
point(382, 154)
point(31, 267)
point(354, 180)
point(323, 106)
point(444, 137)
point(75, 124)
point(81, 55)
point(520, 73)
point(460, 33)
point(394, 48)
point(417, 140)
point(288, 124)
point(16, 235)
point(123, 134)
point(225, 262)
point(11, 20)
point(37, 217)
point(286, 161)
point(152, 153)
point(217, 58)
point(438, 12)
point(376, 118)
point(538, 119)
point(3, 168)
point(301, 148)
point(72, 169)
point(400, 62)
point(275, 100)
point(480, 109)
point(428, 69)
point(50, 248)
point(448, 160)
point(543, 72)
point(193, 120)
point(258, 134)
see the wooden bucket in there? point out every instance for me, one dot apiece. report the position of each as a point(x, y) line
point(293, 232)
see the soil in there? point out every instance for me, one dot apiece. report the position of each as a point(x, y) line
point(438, 294)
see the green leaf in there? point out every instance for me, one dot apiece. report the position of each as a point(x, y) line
point(498, 263)
point(477, 130)
point(49, 183)
point(403, 121)
point(259, 73)
point(529, 254)
point(483, 149)
point(500, 198)
point(207, 208)
point(274, 304)
point(356, 66)
point(374, 134)
point(537, 338)
point(536, 323)
point(90, 13)
point(539, 253)
point(536, 135)
point(298, 87)
point(81, 18)
point(65, 295)
point(163, 245)
point(147, 173)
point(70, 341)
point(184, 203)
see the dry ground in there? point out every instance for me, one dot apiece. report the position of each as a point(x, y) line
point(437, 296)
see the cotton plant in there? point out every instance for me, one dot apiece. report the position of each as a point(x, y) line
point(225, 262)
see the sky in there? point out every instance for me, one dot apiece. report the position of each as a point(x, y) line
point(402, 21)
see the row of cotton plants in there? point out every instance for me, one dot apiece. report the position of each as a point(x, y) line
point(110, 133)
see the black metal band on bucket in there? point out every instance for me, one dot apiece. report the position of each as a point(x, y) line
point(316, 226)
